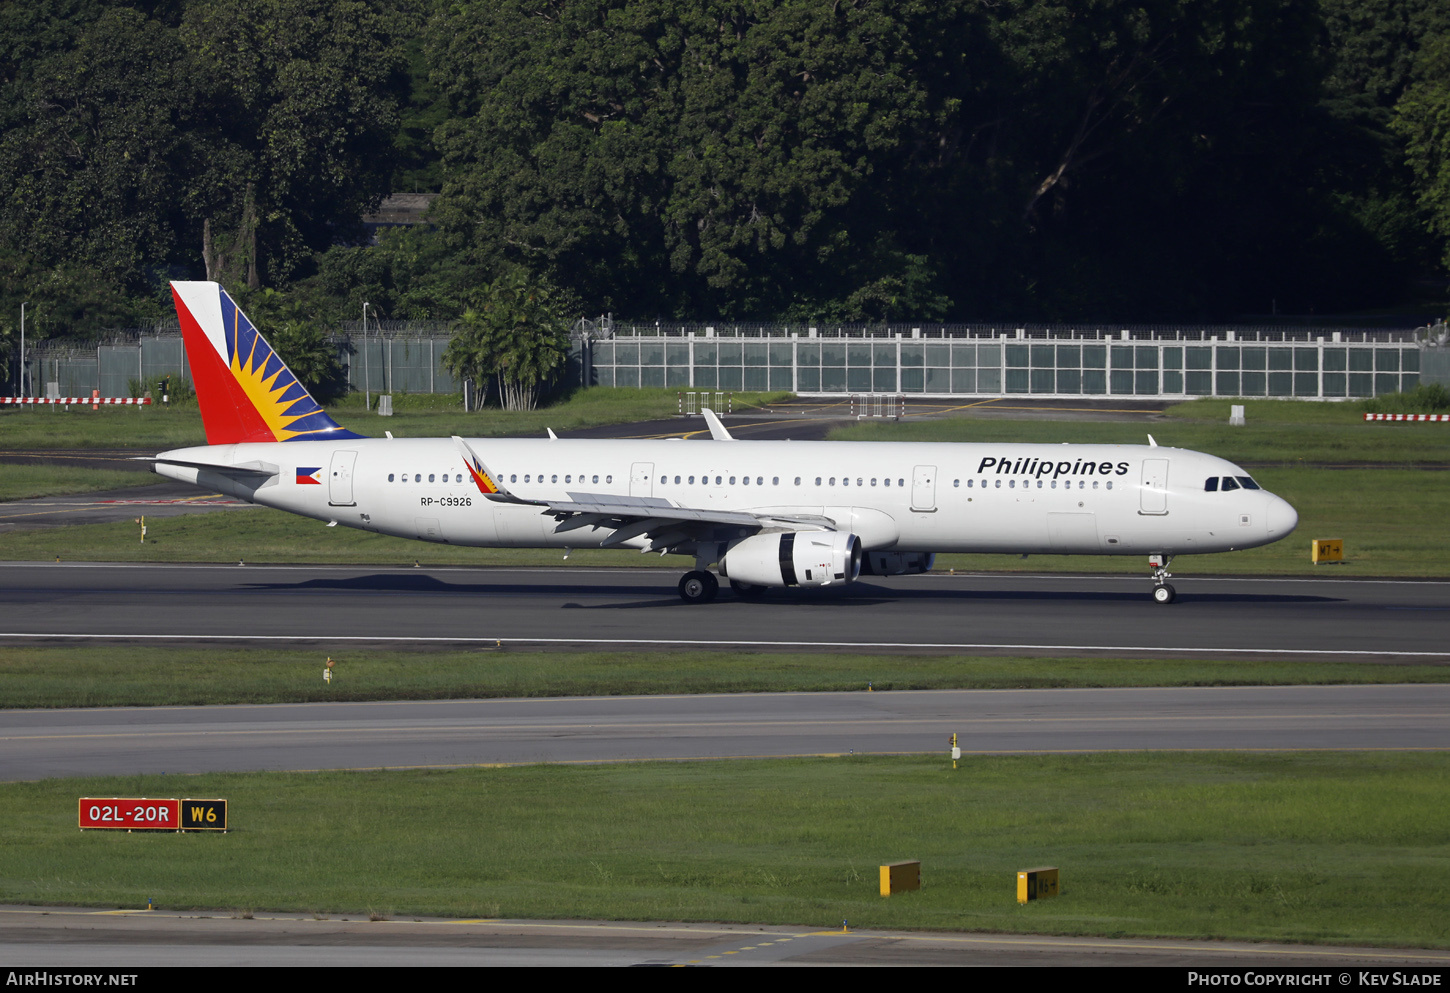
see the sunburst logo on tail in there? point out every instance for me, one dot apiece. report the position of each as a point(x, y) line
point(280, 400)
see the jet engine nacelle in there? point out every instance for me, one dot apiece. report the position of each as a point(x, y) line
point(896, 563)
point(794, 558)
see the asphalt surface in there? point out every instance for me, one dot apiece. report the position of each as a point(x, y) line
point(119, 940)
point(38, 744)
point(1372, 620)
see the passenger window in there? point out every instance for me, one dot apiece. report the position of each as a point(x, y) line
point(1229, 484)
point(1095, 484)
point(554, 478)
point(1039, 484)
point(1054, 484)
point(1210, 485)
point(663, 480)
point(1248, 483)
point(417, 477)
point(1110, 484)
point(677, 480)
point(514, 478)
point(885, 482)
point(774, 480)
point(596, 479)
point(692, 480)
point(901, 482)
point(845, 480)
point(956, 482)
point(999, 484)
point(873, 480)
point(609, 479)
point(745, 480)
point(1012, 484)
point(759, 480)
point(732, 480)
point(833, 480)
point(430, 477)
point(717, 480)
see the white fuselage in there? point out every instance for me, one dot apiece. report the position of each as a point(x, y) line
point(927, 497)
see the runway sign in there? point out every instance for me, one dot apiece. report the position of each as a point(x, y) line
point(900, 876)
point(149, 814)
point(1326, 550)
point(1036, 884)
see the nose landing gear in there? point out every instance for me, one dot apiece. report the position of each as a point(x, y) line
point(1163, 592)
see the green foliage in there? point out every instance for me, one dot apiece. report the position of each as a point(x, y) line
point(1422, 117)
point(864, 161)
point(300, 340)
point(516, 333)
point(1427, 398)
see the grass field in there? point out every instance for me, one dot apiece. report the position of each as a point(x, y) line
point(152, 676)
point(1387, 518)
point(26, 482)
point(1277, 432)
point(1321, 847)
point(417, 416)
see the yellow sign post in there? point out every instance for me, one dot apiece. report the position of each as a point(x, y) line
point(900, 876)
point(1327, 550)
point(1036, 884)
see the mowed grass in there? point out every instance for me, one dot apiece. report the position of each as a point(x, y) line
point(1276, 431)
point(1391, 521)
point(166, 675)
point(27, 482)
point(1313, 847)
point(416, 416)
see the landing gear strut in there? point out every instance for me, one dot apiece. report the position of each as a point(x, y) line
point(1163, 592)
point(699, 587)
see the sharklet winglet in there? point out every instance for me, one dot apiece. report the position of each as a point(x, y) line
point(717, 429)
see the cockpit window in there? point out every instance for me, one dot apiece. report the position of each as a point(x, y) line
point(1247, 483)
point(1210, 485)
point(1229, 484)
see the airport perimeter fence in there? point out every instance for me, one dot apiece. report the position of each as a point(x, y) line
point(1149, 362)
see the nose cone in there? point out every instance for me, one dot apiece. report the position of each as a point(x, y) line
point(1280, 518)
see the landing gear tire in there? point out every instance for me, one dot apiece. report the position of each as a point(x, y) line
point(747, 591)
point(699, 587)
point(1164, 594)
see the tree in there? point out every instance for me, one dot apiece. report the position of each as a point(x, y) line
point(298, 108)
point(1422, 117)
point(517, 332)
point(94, 102)
point(301, 342)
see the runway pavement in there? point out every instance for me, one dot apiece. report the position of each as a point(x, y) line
point(1374, 620)
point(38, 744)
point(125, 940)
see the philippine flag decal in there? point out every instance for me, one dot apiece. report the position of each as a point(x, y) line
point(308, 475)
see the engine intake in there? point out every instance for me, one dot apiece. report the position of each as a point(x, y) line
point(794, 558)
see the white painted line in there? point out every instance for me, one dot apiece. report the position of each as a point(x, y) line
point(712, 643)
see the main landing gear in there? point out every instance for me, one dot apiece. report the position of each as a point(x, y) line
point(699, 587)
point(1163, 592)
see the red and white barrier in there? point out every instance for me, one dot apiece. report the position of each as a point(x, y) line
point(1407, 417)
point(72, 401)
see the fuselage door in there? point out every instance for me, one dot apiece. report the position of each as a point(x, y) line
point(1154, 493)
point(339, 479)
point(641, 479)
point(923, 489)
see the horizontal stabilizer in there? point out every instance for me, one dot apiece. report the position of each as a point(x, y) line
point(243, 470)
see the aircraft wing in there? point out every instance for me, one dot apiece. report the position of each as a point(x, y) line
point(664, 523)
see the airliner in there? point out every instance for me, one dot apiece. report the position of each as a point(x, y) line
point(764, 514)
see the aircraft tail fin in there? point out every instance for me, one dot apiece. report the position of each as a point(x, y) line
point(244, 389)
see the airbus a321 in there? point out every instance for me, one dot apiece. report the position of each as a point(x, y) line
point(763, 513)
